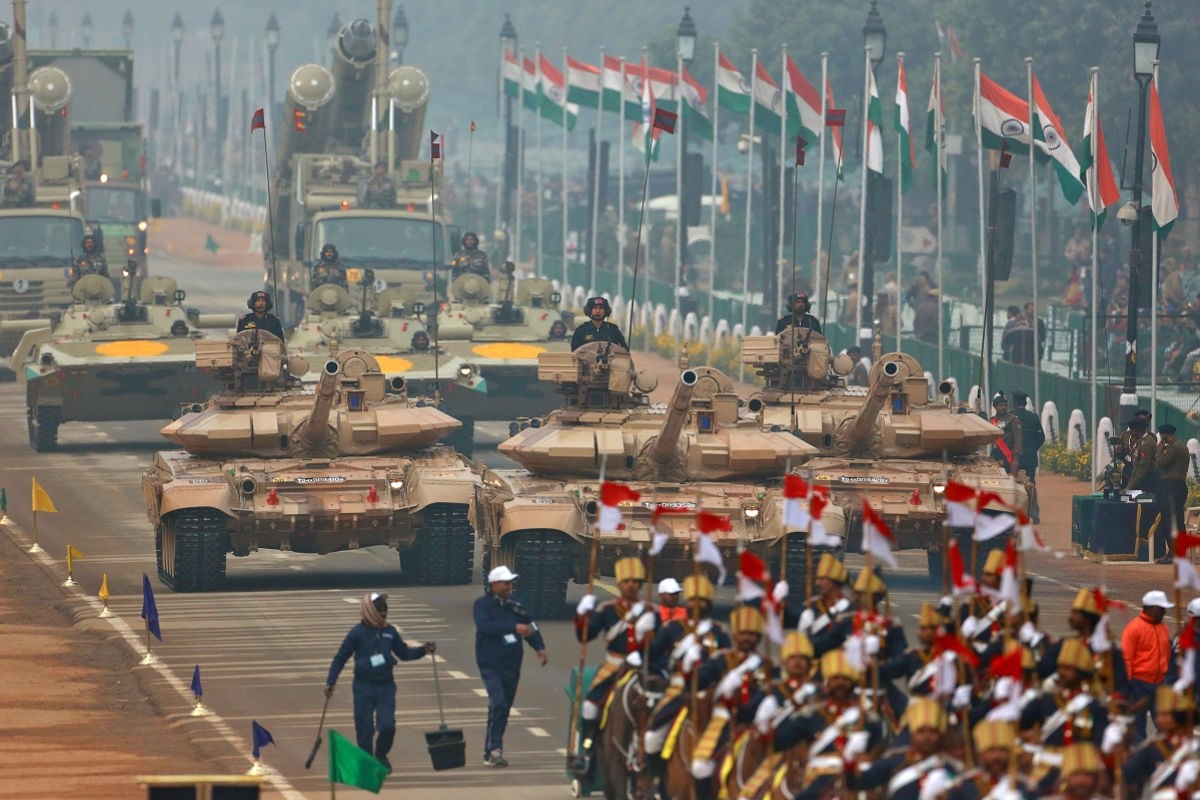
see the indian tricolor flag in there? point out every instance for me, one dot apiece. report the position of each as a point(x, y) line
point(1050, 135)
point(584, 83)
point(873, 157)
point(695, 107)
point(554, 105)
point(803, 104)
point(510, 71)
point(935, 132)
point(1002, 116)
point(732, 90)
point(530, 85)
point(1165, 203)
point(613, 79)
point(903, 127)
point(768, 98)
point(1095, 168)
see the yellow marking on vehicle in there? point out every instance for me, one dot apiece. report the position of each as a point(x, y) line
point(353, 275)
point(507, 350)
point(132, 348)
point(394, 364)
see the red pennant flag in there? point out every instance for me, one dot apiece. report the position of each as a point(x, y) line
point(835, 117)
point(472, 126)
point(1005, 156)
point(876, 536)
point(949, 643)
point(613, 494)
point(794, 486)
point(1184, 542)
point(962, 582)
point(709, 522)
point(258, 122)
point(1006, 666)
point(959, 492)
point(800, 145)
point(664, 120)
point(752, 567)
point(435, 146)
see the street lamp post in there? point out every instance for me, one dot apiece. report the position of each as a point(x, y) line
point(399, 33)
point(874, 44)
point(217, 29)
point(85, 30)
point(1146, 41)
point(272, 43)
point(508, 43)
point(177, 40)
point(685, 48)
point(127, 28)
point(52, 25)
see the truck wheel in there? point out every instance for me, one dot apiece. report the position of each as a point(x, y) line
point(190, 547)
point(444, 551)
point(543, 560)
point(43, 428)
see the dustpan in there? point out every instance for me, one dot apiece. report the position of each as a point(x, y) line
point(447, 748)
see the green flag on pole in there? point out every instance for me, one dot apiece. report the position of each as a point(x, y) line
point(353, 766)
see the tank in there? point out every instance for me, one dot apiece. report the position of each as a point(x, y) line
point(889, 442)
point(266, 464)
point(102, 361)
point(499, 333)
point(387, 324)
point(693, 454)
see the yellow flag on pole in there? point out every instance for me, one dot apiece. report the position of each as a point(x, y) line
point(104, 588)
point(72, 554)
point(41, 500)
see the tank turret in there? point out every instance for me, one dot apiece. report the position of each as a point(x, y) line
point(857, 433)
point(314, 431)
point(664, 450)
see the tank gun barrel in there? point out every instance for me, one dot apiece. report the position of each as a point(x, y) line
point(314, 429)
point(860, 431)
point(662, 452)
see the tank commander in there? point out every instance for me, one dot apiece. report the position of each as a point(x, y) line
point(90, 262)
point(1007, 449)
point(328, 269)
point(861, 372)
point(597, 328)
point(419, 342)
point(18, 190)
point(470, 260)
point(379, 190)
point(799, 316)
point(260, 315)
point(558, 331)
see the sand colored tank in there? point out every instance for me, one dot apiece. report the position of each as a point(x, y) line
point(888, 441)
point(268, 465)
point(694, 454)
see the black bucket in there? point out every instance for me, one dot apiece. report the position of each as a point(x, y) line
point(447, 748)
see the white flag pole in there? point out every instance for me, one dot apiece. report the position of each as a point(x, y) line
point(749, 199)
point(516, 232)
point(817, 283)
point(621, 194)
point(712, 200)
point(1094, 192)
point(596, 213)
point(986, 323)
point(679, 220)
point(540, 252)
point(1153, 303)
point(939, 142)
point(862, 198)
point(783, 162)
point(562, 192)
point(1033, 260)
point(900, 156)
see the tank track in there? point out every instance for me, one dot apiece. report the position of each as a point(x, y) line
point(793, 571)
point(542, 558)
point(444, 551)
point(43, 428)
point(196, 541)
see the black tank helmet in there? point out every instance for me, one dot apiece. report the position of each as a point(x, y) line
point(794, 296)
point(255, 296)
point(329, 248)
point(597, 302)
point(470, 235)
point(88, 237)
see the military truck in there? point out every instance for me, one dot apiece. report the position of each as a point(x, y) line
point(266, 465)
point(693, 455)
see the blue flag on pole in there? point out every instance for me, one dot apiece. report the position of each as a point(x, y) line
point(262, 737)
point(196, 689)
point(149, 610)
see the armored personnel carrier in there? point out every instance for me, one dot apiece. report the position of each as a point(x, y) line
point(887, 442)
point(103, 361)
point(500, 339)
point(693, 455)
point(389, 326)
point(266, 465)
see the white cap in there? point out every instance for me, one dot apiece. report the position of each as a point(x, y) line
point(378, 595)
point(1156, 599)
point(1193, 608)
point(501, 573)
point(669, 586)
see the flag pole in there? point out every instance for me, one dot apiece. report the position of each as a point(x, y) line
point(470, 147)
point(271, 223)
point(783, 138)
point(437, 381)
point(36, 548)
point(577, 704)
point(680, 222)
point(900, 156)
point(562, 192)
point(712, 197)
point(749, 203)
point(637, 253)
point(621, 197)
point(1033, 260)
point(1094, 195)
point(1154, 325)
point(648, 145)
point(539, 251)
point(939, 156)
point(516, 234)
point(818, 285)
point(596, 178)
point(983, 279)
point(862, 198)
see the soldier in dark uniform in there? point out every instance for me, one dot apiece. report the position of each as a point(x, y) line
point(501, 624)
point(916, 665)
point(1032, 439)
point(470, 260)
point(1136, 450)
point(597, 328)
point(380, 190)
point(1071, 713)
point(1109, 665)
point(1172, 462)
point(1154, 764)
point(799, 316)
point(260, 315)
point(826, 618)
point(994, 741)
point(860, 373)
point(904, 770)
point(1007, 449)
point(18, 190)
point(90, 262)
point(1082, 773)
point(328, 269)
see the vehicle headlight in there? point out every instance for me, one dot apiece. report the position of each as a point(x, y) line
point(939, 488)
point(751, 512)
point(466, 370)
point(142, 225)
point(397, 484)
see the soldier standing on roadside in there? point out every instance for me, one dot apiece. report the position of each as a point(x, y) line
point(1032, 439)
point(1007, 449)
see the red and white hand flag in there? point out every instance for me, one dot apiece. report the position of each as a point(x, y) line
point(660, 530)
point(1185, 571)
point(796, 514)
point(1187, 657)
point(989, 526)
point(752, 575)
point(612, 495)
point(1010, 591)
point(949, 643)
point(1027, 536)
point(876, 536)
point(706, 550)
point(961, 582)
point(960, 504)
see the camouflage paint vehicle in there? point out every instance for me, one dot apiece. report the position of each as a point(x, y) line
point(694, 455)
point(266, 465)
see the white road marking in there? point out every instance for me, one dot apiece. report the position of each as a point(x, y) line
point(539, 732)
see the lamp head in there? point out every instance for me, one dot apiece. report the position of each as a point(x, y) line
point(127, 26)
point(1146, 41)
point(508, 34)
point(177, 28)
point(217, 26)
point(400, 27)
point(685, 36)
point(272, 30)
point(875, 35)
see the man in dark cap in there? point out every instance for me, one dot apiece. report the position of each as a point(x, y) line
point(377, 647)
point(799, 316)
point(1137, 450)
point(380, 190)
point(1171, 493)
point(260, 315)
point(1032, 439)
point(1007, 449)
point(470, 260)
point(597, 328)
